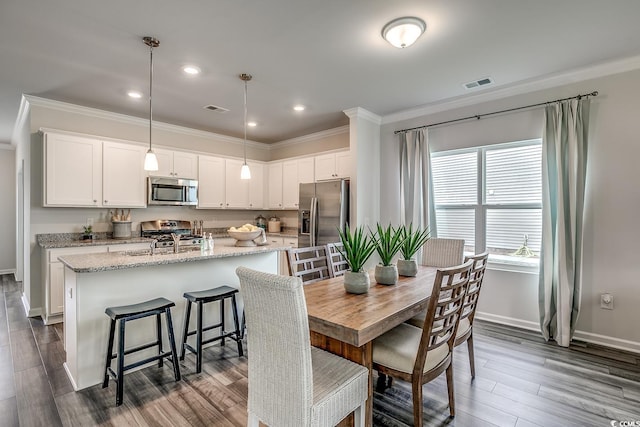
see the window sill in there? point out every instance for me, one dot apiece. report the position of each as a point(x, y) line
point(513, 264)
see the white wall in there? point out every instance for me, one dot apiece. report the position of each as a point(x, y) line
point(7, 209)
point(612, 203)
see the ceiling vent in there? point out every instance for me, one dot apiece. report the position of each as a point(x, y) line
point(215, 108)
point(478, 83)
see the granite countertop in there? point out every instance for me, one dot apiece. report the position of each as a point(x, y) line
point(91, 263)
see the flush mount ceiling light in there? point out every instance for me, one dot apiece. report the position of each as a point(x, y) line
point(150, 159)
point(298, 107)
point(134, 94)
point(192, 70)
point(252, 124)
point(403, 32)
point(245, 172)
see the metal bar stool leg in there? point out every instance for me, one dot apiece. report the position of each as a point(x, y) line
point(172, 344)
point(234, 306)
point(222, 321)
point(112, 332)
point(120, 374)
point(187, 317)
point(159, 335)
point(199, 338)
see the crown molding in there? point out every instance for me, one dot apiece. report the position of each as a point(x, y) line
point(311, 137)
point(551, 81)
point(137, 121)
point(359, 112)
point(23, 115)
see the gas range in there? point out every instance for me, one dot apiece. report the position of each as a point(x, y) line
point(161, 230)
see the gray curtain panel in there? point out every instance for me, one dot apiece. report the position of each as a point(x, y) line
point(564, 163)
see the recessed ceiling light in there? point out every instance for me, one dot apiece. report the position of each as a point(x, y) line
point(134, 94)
point(299, 107)
point(252, 124)
point(192, 70)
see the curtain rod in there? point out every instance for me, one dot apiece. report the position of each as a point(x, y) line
point(478, 116)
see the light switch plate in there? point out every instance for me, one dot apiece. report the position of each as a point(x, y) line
point(606, 301)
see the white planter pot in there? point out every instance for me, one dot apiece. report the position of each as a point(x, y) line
point(356, 283)
point(408, 268)
point(386, 274)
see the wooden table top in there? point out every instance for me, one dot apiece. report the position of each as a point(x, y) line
point(358, 319)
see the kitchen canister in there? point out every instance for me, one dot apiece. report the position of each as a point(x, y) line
point(121, 229)
point(274, 225)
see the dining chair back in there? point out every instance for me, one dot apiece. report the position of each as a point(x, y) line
point(290, 382)
point(310, 264)
point(440, 252)
point(465, 327)
point(419, 355)
point(337, 264)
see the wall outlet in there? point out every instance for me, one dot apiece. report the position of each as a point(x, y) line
point(606, 301)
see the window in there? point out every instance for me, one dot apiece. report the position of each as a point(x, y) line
point(492, 198)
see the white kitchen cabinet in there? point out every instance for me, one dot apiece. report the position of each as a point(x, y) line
point(290, 184)
point(256, 186)
point(283, 257)
point(123, 175)
point(72, 171)
point(53, 273)
point(176, 164)
point(333, 166)
point(306, 170)
point(275, 185)
point(244, 193)
point(211, 182)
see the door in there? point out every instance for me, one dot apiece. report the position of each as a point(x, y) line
point(211, 182)
point(332, 201)
point(185, 165)
point(307, 194)
point(123, 178)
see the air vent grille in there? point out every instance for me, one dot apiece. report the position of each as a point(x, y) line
point(215, 108)
point(478, 83)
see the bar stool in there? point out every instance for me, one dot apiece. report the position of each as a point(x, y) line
point(128, 313)
point(202, 297)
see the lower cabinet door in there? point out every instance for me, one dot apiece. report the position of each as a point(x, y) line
point(56, 288)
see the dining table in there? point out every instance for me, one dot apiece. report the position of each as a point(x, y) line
point(346, 324)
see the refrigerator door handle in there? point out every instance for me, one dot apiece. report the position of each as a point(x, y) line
point(313, 216)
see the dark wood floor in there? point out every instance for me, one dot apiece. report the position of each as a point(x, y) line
point(521, 381)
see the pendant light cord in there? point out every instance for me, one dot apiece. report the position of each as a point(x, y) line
point(150, 92)
point(245, 122)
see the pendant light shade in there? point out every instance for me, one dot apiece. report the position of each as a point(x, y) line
point(150, 159)
point(245, 172)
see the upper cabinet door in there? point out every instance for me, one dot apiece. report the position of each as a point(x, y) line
point(306, 171)
point(275, 185)
point(73, 171)
point(236, 189)
point(290, 181)
point(123, 175)
point(185, 165)
point(211, 182)
point(325, 167)
point(343, 164)
point(256, 186)
point(165, 163)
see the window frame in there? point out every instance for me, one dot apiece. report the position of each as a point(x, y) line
point(525, 265)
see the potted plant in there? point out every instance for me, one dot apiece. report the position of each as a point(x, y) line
point(357, 249)
point(413, 240)
point(87, 232)
point(389, 242)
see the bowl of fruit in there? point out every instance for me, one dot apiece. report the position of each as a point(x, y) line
point(246, 235)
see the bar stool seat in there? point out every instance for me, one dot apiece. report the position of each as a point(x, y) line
point(155, 307)
point(203, 297)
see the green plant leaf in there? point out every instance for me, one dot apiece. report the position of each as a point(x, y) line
point(389, 242)
point(413, 240)
point(357, 247)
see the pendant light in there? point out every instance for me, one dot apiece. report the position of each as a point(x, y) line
point(150, 159)
point(245, 172)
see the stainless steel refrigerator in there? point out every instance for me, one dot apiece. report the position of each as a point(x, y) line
point(324, 207)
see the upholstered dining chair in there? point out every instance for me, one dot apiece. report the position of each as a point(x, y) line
point(337, 264)
point(310, 264)
point(439, 252)
point(292, 383)
point(419, 355)
point(465, 327)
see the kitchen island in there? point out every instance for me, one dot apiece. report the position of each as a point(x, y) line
point(93, 282)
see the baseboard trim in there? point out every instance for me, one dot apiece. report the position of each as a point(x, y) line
point(27, 308)
point(73, 383)
point(589, 337)
point(8, 271)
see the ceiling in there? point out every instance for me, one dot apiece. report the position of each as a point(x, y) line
point(327, 55)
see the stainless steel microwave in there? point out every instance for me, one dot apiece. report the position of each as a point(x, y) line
point(172, 191)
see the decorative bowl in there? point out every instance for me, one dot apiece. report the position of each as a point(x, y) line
point(245, 238)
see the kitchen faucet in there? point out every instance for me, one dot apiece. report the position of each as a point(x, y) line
point(176, 242)
point(153, 246)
